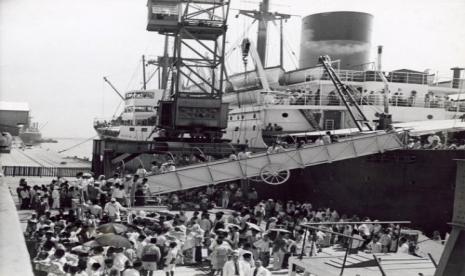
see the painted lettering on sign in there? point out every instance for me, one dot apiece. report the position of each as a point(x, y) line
point(200, 113)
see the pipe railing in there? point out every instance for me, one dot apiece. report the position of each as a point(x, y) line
point(366, 99)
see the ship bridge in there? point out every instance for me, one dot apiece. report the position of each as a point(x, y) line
point(273, 168)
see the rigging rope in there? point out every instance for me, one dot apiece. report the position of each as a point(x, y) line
point(78, 144)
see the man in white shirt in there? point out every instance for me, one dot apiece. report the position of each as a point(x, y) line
point(119, 259)
point(404, 247)
point(259, 270)
point(133, 270)
point(263, 246)
point(236, 267)
point(141, 172)
point(113, 209)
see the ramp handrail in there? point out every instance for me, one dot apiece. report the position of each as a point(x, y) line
point(225, 170)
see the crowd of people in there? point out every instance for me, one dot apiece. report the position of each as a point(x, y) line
point(98, 230)
point(435, 142)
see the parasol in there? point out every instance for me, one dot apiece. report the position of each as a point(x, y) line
point(91, 244)
point(115, 228)
point(113, 240)
point(279, 230)
point(253, 226)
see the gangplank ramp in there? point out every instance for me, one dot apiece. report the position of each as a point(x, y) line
point(273, 168)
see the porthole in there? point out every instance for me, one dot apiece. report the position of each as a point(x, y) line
point(430, 117)
point(285, 115)
point(242, 116)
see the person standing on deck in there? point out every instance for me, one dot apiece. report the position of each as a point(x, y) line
point(56, 198)
point(150, 256)
point(260, 270)
point(170, 259)
point(113, 209)
point(327, 138)
point(225, 198)
point(141, 172)
point(236, 267)
point(279, 250)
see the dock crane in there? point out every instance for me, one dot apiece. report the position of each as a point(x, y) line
point(198, 27)
point(346, 95)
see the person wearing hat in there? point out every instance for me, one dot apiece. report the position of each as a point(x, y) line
point(236, 267)
point(113, 210)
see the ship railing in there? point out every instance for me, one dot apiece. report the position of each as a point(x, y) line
point(42, 171)
point(332, 99)
point(102, 122)
point(394, 76)
point(458, 83)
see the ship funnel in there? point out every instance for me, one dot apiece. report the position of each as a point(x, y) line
point(343, 35)
point(380, 55)
point(456, 72)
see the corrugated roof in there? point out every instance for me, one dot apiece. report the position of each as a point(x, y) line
point(14, 106)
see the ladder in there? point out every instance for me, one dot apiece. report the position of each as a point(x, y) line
point(346, 95)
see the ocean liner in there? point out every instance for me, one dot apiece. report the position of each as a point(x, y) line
point(269, 104)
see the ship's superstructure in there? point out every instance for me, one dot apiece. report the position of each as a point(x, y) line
point(266, 104)
point(270, 101)
point(137, 120)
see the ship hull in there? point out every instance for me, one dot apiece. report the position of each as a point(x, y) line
point(415, 185)
point(30, 138)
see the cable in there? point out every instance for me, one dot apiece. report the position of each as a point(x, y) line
point(78, 144)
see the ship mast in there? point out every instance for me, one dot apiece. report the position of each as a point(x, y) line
point(144, 80)
point(263, 16)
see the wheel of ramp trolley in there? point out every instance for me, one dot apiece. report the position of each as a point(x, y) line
point(274, 174)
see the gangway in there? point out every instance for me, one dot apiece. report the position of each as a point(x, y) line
point(274, 168)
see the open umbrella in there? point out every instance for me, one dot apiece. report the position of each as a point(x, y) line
point(91, 244)
point(279, 230)
point(113, 240)
point(115, 228)
point(253, 226)
point(232, 225)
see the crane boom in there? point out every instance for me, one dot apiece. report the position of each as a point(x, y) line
point(113, 87)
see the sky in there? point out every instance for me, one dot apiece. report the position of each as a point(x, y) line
point(54, 53)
